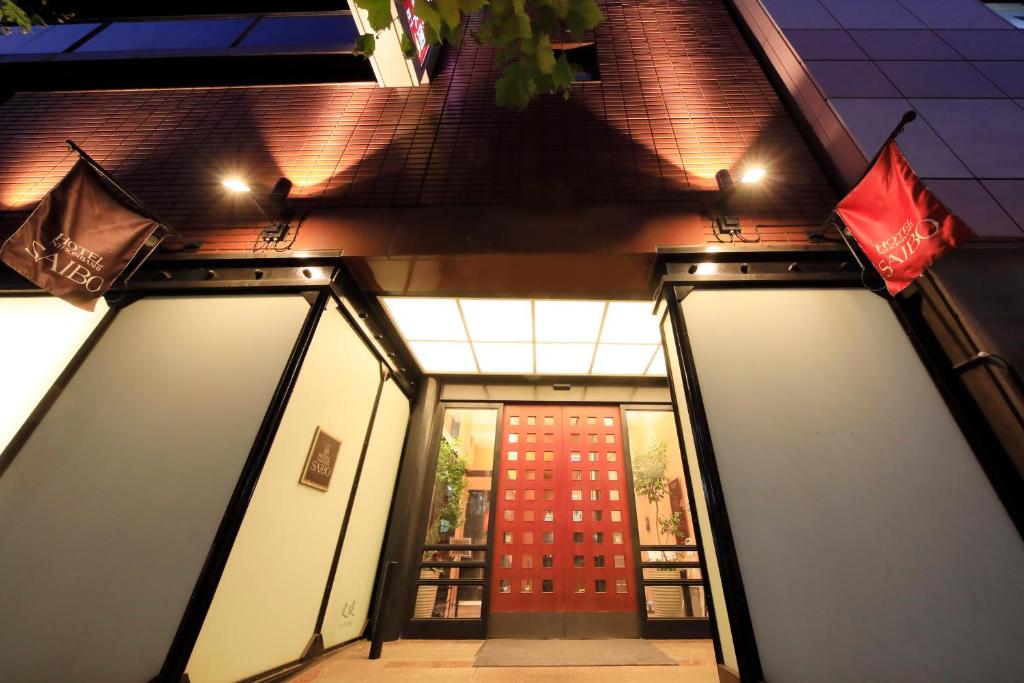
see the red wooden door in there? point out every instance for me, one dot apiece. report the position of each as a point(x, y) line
point(563, 540)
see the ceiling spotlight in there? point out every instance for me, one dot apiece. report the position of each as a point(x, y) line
point(753, 174)
point(235, 184)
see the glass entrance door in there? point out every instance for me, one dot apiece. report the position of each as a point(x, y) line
point(562, 537)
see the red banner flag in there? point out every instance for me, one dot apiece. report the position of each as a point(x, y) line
point(901, 226)
point(79, 238)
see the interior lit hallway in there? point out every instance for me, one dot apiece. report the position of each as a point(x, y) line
point(452, 660)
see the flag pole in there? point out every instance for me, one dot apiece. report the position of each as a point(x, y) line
point(908, 116)
point(835, 219)
point(138, 202)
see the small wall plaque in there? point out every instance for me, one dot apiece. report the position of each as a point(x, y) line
point(320, 461)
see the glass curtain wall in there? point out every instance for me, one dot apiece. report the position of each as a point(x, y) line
point(454, 554)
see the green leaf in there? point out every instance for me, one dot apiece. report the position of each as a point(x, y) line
point(522, 19)
point(408, 48)
point(10, 12)
point(543, 55)
point(378, 11)
point(365, 44)
point(515, 87)
point(450, 13)
point(562, 74)
point(582, 16)
point(430, 16)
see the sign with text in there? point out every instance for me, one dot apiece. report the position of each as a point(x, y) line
point(321, 460)
point(79, 238)
point(901, 226)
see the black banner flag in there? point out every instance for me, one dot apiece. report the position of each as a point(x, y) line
point(79, 239)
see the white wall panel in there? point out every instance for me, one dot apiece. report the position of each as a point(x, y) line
point(266, 605)
point(109, 510)
point(38, 336)
point(871, 544)
point(353, 583)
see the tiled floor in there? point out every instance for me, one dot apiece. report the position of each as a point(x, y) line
point(452, 660)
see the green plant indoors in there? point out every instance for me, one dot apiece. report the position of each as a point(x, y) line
point(651, 482)
point(451, 480)
point(520, 31)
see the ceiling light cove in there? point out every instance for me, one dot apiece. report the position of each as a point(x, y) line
point(529, 336)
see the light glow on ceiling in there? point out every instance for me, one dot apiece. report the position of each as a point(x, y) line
point(529, 336)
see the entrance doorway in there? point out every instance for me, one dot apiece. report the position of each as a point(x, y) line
point(562, 562)
point(549, 519)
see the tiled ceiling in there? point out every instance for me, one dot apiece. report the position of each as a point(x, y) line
point(529, 336)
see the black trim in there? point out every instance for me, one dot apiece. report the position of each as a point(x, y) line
point(328, 587)
point(732, 581)
point(222, 68)
point(38, 413)
point(223, 542)
point(698, 536)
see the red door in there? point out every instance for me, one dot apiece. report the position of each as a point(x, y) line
point(563, 539)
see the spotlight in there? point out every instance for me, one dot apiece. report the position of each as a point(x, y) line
point(235, 184)
point(725, 221)
point(724, 180)
point(754, 174)
point(276, 230)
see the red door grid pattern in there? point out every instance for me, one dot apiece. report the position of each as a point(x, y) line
point(562, 540)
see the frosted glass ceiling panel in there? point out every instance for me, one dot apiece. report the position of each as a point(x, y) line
point(623, 359)
point(498, 319)
point(427, 319)
point(564, 359)
point(444, 356)
point(568, 321)
point(503, 357)
point(630, 322)
point(529, 336)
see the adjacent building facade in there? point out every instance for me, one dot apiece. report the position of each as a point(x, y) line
point(486, 373)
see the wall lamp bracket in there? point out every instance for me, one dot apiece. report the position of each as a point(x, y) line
point(724, 222)
point(277, 230)
point(726, 225)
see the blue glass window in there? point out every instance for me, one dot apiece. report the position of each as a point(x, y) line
point(185, 34)
point(44, 39)
point(332, 31)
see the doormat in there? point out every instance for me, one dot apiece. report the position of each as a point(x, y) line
point(618, 652)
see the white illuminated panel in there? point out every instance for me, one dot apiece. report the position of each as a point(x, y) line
point(40, 334)
point(529, 336)
point(622, 359)
point(491, 320)
point(515, 358)
point(630, 322)
point(568, 321)
point(427, 319)
point(564, 359)
point(443, 356)
point(658, 364)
